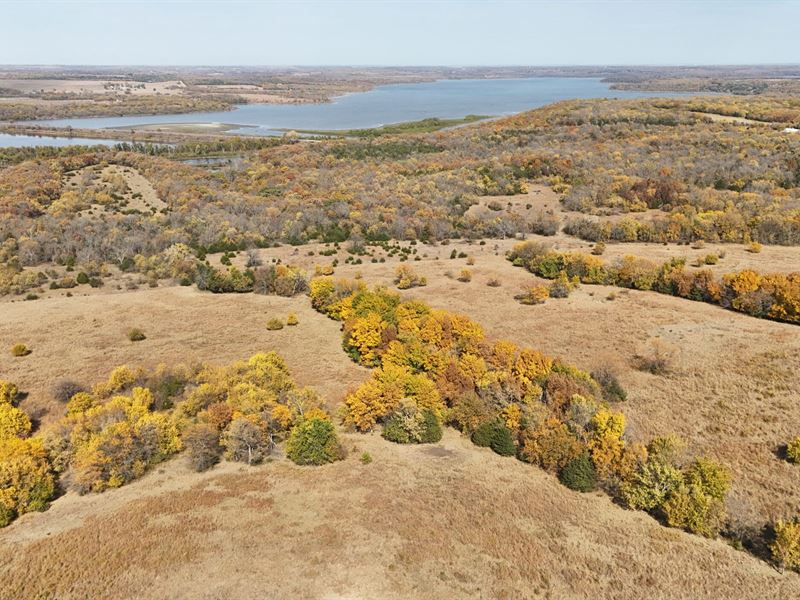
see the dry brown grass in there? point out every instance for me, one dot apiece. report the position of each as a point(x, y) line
point(455, 522)
point(444, 521)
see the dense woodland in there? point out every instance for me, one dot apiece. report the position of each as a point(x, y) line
point(643, 170)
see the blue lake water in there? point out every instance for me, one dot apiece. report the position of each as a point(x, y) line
point(386, 104)
point(23, 141)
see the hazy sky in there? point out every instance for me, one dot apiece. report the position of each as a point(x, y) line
point(371, 32)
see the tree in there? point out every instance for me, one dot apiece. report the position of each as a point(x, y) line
point(202, 446)
point(245, 441)
point(26, 480)
point(579, 474)
point(314, 442)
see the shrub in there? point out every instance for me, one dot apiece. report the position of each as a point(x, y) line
point(366, 458)
point(609, 384)
point(465, 276)
point(65, 389)
point(244, 441)
point(786, 545)
point(495, 435)
point(19, 350)
point(533, 294)
point(659, 358)
point(754, 247)
point(136, 335)
point(82, 278)
point(493, 282)
point(313, 442)
point(8, 392)
point(291, 320)
point(406, 278)
point(274, 324)
point(579, 474)
point(561, 287)
point(793, 451)
point(202, 446)
point(599, 248)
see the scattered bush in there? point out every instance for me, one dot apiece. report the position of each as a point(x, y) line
point(313, 442)
point(579, 474)
point(659, 358)
point(793, 451)
point(493, 282)
point(754, 247)
point(613, 391)
point(366, 458)
point(136, 335)
point(65, 389)
point(274, 324)
point(465, 276)
point(599, 249)
point(19, 350)
point(291, 320)
point(405, 278)
point(533, 294)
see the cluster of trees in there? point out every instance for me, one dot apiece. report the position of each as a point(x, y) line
point(27, 481)
point(116, 432)
point(116, 105)
point(771, 296)
point(433, 368)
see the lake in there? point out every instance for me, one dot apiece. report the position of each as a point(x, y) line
point(396, 103)
point(23, 141)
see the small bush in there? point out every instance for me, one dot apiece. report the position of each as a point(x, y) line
point(202, 446)
point(493, 282)
point(406, 278)
point(20, 350)
point(579, 474)
point(754, 247)
point(82, 278)
point(366, 458)
point(471, 260)
point(291, 320)
point(599, 248)
point(65, 389)
point(533, 294)
point(465, 276)
point(659, 359)
point(793, 451)
point(711, 259)
point(609, 384)
point(136, 335)
point(274, 324)
point(314, 442)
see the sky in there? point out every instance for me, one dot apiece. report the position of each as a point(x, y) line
point(375, 32)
